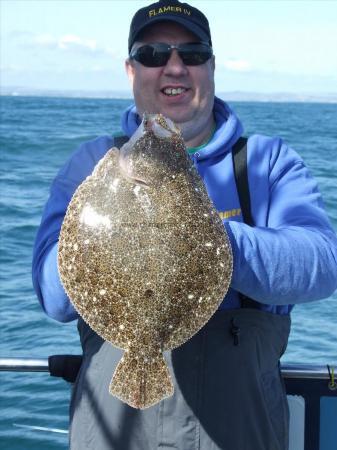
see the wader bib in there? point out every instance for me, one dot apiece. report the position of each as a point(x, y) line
point(229, 393)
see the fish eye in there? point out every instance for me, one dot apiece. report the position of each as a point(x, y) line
point(148, 293)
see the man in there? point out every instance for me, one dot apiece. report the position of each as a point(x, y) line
point(228, 390)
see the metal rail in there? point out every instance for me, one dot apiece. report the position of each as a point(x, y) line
point(305, 371)
point(41, 365)
point(24, 365)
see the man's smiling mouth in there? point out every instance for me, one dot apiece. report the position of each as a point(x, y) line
point(173, 91)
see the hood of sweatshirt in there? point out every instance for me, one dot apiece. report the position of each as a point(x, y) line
point(227, 132)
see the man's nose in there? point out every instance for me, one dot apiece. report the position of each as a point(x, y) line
point(175, 65)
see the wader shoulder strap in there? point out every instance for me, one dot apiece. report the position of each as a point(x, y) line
point(120, 140)
point(239, 153)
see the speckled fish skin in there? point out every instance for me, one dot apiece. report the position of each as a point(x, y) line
point(144, 256)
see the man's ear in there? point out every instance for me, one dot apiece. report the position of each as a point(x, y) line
point(130, 70)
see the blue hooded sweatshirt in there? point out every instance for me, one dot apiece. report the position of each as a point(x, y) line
point(289, 257)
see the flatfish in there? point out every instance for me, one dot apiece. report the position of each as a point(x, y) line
point(144, 257)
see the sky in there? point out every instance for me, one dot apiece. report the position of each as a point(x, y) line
point(265, 46)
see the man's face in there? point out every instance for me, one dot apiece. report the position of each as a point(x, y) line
point(183, 93)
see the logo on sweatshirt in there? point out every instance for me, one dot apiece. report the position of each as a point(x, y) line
point(230, 213)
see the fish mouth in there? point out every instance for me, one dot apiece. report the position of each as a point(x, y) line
point(174, 91)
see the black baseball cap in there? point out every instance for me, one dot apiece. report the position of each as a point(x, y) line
point(174, 11)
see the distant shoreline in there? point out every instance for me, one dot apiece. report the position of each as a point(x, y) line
point(277, 97)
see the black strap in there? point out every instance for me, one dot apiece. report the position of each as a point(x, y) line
point(120, 140)
point(239, 153)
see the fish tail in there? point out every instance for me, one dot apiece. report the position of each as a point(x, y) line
point(141, 381)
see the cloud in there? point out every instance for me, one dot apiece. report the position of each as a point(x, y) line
point(17, 35)
point(42, 40)
point(236, 65)
point(68, 43)
point(71, 41)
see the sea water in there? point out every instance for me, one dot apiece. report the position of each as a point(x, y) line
point(37, 135)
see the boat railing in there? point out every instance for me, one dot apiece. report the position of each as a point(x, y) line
point(57, 365)
point(311, 390)
point(24, 365)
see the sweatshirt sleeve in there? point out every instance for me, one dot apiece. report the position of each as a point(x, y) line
point(292, 258)
point(46, 281)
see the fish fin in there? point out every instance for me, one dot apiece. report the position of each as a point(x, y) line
point(126, 170)
point(141, 382)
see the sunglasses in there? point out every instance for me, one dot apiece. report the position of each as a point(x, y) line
point(157, 55)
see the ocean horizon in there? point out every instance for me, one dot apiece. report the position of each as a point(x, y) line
point(242, 96)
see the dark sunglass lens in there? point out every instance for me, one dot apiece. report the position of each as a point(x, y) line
point(194, 55)
point(152, 55)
